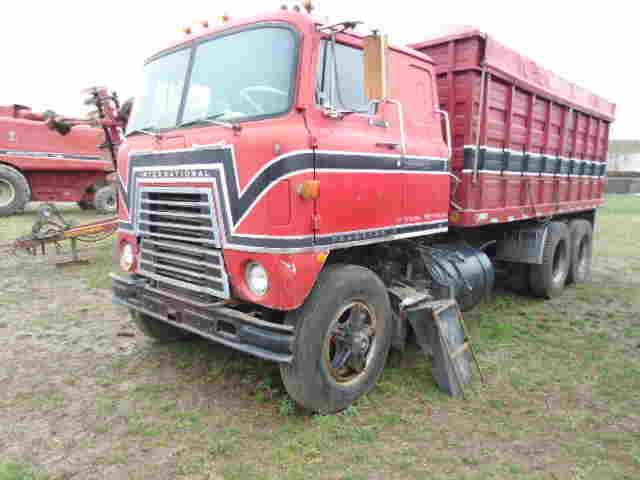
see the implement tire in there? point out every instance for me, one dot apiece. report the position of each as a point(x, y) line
point(84, 205)
point(547, 280)
point(158, 330)
point(105, 200)
point(343, 335)
point(14, 191)
point(581, 234)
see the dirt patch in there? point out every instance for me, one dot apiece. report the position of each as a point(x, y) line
point(83, 395)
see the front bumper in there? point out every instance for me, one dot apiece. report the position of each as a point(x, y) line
point(217, 322)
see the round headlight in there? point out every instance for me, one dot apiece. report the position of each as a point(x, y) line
point(257, 278)
point(127, 258)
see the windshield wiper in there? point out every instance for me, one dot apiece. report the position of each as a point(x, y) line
point(211, 119)
point(145, 131)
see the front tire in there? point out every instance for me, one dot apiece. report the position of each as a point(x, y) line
point(343, 335)
point(158, 330)
point(14, 191)
point(548, 279)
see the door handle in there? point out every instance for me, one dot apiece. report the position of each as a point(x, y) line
point(389, 145)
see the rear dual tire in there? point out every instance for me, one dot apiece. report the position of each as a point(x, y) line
point(566, 258)
point(547, 280)
point(581, 233)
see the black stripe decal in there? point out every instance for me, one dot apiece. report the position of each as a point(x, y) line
point(72, 156)
point(523, 162)
point(218, 164)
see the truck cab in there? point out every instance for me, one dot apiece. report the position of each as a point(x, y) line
point(252, 155)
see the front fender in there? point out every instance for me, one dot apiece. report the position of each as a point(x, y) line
point(291, 276)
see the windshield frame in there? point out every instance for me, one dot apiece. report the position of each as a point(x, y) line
point(193, 46)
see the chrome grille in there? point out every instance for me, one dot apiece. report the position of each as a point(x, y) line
point(180, 243)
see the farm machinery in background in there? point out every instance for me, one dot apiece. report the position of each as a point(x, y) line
point(44, 159)
point(81, 177)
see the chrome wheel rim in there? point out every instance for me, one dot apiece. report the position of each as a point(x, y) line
point(350, 343)
point(7, 193)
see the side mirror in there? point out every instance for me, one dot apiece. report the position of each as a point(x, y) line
point(375, 67)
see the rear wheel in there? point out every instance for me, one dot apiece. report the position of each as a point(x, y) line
point(548, 279)
point(105, 199)
point(14, 191)
point(160, 331)
point(518, 278)
point(343, 335)
point(581, 235)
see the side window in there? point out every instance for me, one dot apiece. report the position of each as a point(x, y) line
point(347, 86)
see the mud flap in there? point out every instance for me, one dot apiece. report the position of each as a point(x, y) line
point(440, 333)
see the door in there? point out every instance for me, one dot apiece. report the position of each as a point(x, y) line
point(358, 155)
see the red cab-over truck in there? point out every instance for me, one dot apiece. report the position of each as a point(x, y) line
point(39, 164)
point(286, 185)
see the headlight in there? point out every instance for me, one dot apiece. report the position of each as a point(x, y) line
point(127, 258)
point(257, 279)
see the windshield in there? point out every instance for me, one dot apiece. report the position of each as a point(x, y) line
point(159, 103)
point(239, 76)
point(244, 75)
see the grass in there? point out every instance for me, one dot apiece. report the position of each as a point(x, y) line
point(10, 470)
point(561, 399)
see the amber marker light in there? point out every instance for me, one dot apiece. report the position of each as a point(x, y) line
point(187, 30)
point(455, 217)
point(322, 257)
point(309, 189)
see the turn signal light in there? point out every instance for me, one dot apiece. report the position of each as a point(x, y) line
point(309, 189)
point(187, 30)
point(322, 257)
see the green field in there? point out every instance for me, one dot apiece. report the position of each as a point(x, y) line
point(80, 399)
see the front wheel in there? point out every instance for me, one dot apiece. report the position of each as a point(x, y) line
point(343, 335)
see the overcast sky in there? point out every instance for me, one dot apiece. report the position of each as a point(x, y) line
point(52, 50)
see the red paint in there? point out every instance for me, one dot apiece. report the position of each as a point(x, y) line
point(526, 108)
point(291, 277)
point(25, 141)
point(352, 200)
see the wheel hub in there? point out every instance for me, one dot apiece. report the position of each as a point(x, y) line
point(7, 193)
point(351, 337)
